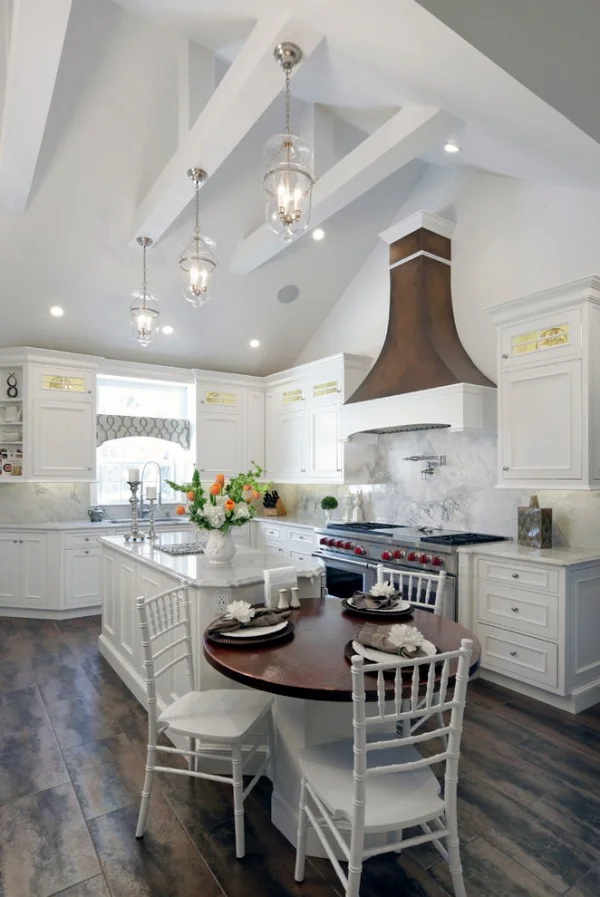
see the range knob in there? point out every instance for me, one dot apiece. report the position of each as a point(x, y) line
point(398, 555)
point(339, 544)
point(436, 561)
point(348, 546)
point(359, 550)
point(386, 555)
point(411, 556)
point(423, 559)
point(323, 541)
point(331, 542)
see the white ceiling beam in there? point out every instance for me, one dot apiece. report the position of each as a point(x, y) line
point(248, 88)
point(36, 43)
point(406, 135)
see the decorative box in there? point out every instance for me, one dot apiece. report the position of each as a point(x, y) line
point(535, 525)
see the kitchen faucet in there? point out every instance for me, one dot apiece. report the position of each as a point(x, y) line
point(142, 486)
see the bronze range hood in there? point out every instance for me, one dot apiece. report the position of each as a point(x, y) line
point(423, 378)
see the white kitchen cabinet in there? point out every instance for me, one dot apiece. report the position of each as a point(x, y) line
point(23, 570)
point(291, 438)
point(230, 431)
point(325, 447)
point(255, 428)
point(82, 577)
point(549, 388)
point(63, 439)
point(219, 443)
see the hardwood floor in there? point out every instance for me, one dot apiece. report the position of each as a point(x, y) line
point(72, 742)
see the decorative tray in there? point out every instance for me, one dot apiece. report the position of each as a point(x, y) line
point(371, 614)
point(265, 640)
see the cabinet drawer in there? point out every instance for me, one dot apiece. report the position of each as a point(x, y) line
point(302, 539)
point(523, 575)
point(518, 610)
point(519, 656)
point(271, 532)
point(274, 548)
point(301, 556)
point(84, 539)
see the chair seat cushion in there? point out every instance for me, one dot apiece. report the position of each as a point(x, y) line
point(223, 713)
point(394, 799)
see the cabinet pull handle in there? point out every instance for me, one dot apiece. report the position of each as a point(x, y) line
point(15, 541)
point(515, 610)
point(505, 468)
point(513, 653)
point(86, 539)
point(21, 541)
point(303, 470)
point(504, 355)
point(86, 550)
point(515, 575)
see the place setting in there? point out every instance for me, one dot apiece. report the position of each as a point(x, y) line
point(383, 643)
point(245, 626)
point(382, 600)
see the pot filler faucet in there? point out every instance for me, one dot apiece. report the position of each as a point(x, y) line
point(142, 511)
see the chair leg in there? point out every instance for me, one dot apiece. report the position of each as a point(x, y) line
point(272, 746)
point(146, 790)
point(238, 800)
point(456, 868)
point(301, 839)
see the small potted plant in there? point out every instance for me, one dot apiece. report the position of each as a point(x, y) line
point(329, 503)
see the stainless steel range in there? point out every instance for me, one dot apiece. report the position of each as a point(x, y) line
point(352, 551)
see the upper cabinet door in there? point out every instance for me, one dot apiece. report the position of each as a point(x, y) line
point(327, 388)
point(325, 448)
point(255, 427)
point(220, 431)
point(291, 437)
point(63, 383)
point(541, 423)
point(63, 435)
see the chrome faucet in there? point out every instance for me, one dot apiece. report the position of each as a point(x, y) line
point(142, 512)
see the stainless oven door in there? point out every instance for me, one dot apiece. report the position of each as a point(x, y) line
point(345, 576)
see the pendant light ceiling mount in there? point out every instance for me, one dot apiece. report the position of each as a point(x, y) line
point(198, 260)
point(288, 55)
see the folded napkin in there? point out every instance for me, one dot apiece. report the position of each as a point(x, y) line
point(402, 640)
point(366, 601)
point(263, 616)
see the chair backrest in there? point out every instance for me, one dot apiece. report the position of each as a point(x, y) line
point(420, 691)
point(425, 590)
point(163, 648)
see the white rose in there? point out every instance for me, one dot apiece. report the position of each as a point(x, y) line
point(240, 610)
point(403, 636)
point(382, 590)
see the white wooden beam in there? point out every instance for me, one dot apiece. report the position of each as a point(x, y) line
point(36, 44)
point(404, 136)
point(248, 88)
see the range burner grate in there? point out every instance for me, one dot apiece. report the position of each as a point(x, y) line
point(363, 526)
point(461, 539)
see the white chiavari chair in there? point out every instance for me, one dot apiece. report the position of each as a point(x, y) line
point(424, 590)
point(377, 784)
point(225, 720)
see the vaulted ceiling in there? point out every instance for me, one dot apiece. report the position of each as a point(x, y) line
point(106, 104)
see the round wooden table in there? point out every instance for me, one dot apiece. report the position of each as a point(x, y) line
point(312, 679)
point(312, 664)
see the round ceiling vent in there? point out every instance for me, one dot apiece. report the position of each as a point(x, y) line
point(288, 293)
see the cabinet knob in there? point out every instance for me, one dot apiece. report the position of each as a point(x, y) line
point(86, 539)
point(303, 470)
point(15, 541)
point(513, 653)
point(515, 575)
point(21, 541)
point(86, 550)
point(515, 610)
point(505, 468)
point(504, 355)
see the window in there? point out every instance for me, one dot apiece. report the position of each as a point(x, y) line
point(142, 398)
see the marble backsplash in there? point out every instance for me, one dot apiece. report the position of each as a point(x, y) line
point(460, 495)
point(43, 502)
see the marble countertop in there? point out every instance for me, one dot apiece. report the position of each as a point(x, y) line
point(246, 568)
point(291, 520)
point(88, 525)
point(562, 556)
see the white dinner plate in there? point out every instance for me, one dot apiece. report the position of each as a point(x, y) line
point(399, 607)
point(255, 631)
point(381, 656)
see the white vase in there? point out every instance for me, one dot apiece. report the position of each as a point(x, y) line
point(219, 547)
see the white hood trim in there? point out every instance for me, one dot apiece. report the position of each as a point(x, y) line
point(460, 406)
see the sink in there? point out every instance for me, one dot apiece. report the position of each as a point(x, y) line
point(146, 520)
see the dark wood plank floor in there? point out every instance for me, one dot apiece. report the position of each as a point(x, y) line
point(72, 742)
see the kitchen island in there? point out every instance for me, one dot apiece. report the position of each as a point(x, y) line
point(132, 569)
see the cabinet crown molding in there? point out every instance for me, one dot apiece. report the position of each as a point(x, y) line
point(585, 289)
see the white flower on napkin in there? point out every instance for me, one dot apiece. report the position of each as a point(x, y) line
point(382, 590)
point(241, 611)
point(407, 637)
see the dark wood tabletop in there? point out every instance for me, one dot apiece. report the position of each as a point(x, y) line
point(312, 664)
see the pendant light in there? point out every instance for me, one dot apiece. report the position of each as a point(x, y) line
point(198, 260)
point(289, 178)
point(144, 311)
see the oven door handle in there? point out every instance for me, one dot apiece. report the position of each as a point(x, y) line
point(329, 557)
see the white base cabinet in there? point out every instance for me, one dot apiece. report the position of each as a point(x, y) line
point(291, 540)
point(537, 623)
point(23, 571)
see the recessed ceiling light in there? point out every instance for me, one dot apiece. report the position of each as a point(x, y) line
point(56, 311)
point(318, 233)
point(254, 343)
point(167, 330)
point(451, 147)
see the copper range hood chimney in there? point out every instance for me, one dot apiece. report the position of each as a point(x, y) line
point(423, 377)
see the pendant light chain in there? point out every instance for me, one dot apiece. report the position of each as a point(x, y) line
point(145, 275)
point(287, 99)
point(197, 227)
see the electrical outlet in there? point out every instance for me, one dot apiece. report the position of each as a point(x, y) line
point(222, 599)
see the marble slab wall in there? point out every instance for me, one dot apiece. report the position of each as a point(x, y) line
point(43, 502)
point(460, 495)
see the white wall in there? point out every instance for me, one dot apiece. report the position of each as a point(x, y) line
point(512, 237)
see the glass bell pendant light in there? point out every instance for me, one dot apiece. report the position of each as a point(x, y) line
point(289, 178)
point(144, 311)
point(198, 260)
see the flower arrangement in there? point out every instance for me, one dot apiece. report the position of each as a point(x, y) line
point(222, 505)
point(382, 590)
point(240, 611)
point(407, 637)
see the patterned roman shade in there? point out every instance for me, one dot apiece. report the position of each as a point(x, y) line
point(119, 426)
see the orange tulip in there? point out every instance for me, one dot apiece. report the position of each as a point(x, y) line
point(190, 495)
point(255, 494)
point(229, 505)
point(215, 489)
point(246, 487)
point(220, 479)
point(180, 510)
point(247, 496)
